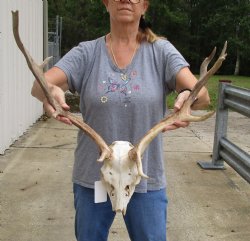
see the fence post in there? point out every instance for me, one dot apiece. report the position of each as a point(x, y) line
point(220, 129)
point(45, 30)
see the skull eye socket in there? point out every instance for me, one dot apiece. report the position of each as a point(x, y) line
point(112, 194)
point(127, 189)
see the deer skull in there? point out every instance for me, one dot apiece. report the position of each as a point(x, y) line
point(120, 175)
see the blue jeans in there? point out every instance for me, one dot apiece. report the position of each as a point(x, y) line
point(145, 218)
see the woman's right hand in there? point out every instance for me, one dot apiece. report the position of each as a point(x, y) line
point(57, 83)
point(59, 96)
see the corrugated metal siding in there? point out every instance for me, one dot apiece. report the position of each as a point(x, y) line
point(18, 109)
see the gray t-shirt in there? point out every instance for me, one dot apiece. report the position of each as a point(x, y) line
point(121, 105)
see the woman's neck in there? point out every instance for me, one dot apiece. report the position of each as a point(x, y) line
point(124, 34)
point(122, 50)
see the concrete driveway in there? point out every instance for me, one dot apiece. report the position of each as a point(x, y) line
point(36, 201)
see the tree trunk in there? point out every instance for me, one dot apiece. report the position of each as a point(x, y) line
point(237, 64)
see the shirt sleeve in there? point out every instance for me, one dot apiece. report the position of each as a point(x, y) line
point(173, 63)
point(75, 65)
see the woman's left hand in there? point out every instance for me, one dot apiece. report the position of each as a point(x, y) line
point(177, 106)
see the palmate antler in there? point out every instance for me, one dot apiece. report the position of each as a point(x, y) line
point(37, 71)
point(184, 113)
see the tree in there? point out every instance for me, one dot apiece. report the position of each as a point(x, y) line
point(82, 20)
point(230, 20)
point(170, 19)
point(193, 26)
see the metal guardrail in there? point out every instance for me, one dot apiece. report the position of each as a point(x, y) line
point(237, 99)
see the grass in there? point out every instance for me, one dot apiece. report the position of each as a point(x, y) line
point(212, 87)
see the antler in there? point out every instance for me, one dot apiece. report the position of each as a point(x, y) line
point(37, 71)
point(184, 113)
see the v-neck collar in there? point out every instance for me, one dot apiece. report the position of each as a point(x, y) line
point(111, 62)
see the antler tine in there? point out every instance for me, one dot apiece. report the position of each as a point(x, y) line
point(37, 71)
point(204, 74)
point(206, 62)
point(183, 114)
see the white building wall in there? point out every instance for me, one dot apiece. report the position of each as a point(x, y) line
point(18, 109)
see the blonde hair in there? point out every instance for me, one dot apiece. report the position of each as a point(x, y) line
point(145, 33)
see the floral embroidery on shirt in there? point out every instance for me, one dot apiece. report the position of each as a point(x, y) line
point(121, 83)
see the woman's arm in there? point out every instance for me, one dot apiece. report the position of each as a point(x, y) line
point(186, 80)
point(58, 84)
point(54, 77)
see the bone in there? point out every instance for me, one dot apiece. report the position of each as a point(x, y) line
point(184, 113)
point(38, 73)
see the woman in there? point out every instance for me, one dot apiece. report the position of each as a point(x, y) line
point(123, 79)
